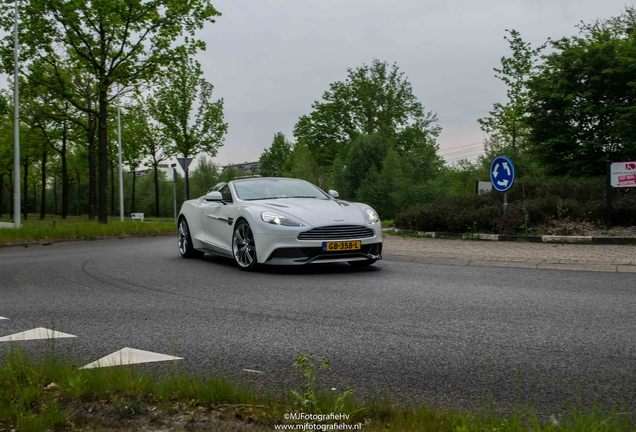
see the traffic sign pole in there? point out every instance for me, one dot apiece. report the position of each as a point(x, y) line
point(502, 176)
point(608, 195)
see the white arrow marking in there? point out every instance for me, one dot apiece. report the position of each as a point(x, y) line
point(34, 334)
point(507, 168)
point(129, 356)
point(1, 318)
point(495, 172)
point(503, 182)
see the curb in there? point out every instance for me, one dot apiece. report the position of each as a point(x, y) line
point(520, 238)
point(541, 265)
point(42, 242)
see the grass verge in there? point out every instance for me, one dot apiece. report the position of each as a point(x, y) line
point(80, 228)
point(55, 395)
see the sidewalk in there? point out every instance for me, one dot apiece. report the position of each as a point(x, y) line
point(589, 257)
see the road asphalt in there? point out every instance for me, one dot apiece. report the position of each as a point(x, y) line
point(467, 336)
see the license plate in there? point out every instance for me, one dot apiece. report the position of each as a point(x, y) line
point(341, 246)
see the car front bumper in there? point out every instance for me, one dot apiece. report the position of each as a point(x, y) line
point(284, 248)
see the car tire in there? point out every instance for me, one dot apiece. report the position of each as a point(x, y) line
point(186, 249)
point(243, 246)
point(364, 263)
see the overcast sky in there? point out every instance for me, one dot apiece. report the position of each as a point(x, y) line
point(270, 59)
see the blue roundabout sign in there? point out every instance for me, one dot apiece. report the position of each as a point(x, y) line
point(502, 173)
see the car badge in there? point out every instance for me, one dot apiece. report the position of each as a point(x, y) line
point(338, 220)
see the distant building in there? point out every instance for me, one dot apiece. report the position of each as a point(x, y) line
point(245, 168)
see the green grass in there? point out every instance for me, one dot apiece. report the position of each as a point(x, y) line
point(388, 223)
point(55, 395)
point(77, 227)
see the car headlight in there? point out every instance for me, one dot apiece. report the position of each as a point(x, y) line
point(276, 219)
point(372, 216)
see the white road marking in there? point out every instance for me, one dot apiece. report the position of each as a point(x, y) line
point(34, 334)
point(1, 318)
point(129, 356)
point(254, 371)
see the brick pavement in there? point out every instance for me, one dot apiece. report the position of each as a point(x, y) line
point(615, 258)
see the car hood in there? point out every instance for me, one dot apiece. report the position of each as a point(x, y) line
point(316, 212)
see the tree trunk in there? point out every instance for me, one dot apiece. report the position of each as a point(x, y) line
point(134, 179)
point(10, 186)
point(112, 189)
point(102, 151)
point(43, 186)
point(156, 173)
point(55, 195)
point(92, 174)
point(25, 190)
point(65, 186)
point(1, 194)
point(187, 184)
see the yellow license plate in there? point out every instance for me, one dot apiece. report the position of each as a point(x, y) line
point(341, 246)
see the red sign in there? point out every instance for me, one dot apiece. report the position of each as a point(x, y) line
point(623, 174)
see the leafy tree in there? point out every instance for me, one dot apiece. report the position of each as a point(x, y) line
point(153, 145)
point(302, 164)
point(190, 118)
point(6, 150)
point(273, 161)
point(583, 99)
point(133, 132)
point(361, 161)
point(375, 98)
point(506, 123)
point(122, 42)
point(403, 179)
point(204, 177)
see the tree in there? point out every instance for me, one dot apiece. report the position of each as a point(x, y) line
point(133, 130)
point(274, 159)
point(153, 144)
point(374, 99)
point(506, 123)
point(123, 42)
point(360, 122)
point(362, 161)
point(190, 118)
point(204, 177)
point(582, 109)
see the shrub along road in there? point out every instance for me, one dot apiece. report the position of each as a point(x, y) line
point(446, 335)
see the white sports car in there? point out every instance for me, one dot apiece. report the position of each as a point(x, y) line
point(272, 220)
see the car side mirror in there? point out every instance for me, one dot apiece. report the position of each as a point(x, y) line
point(214, 196)
point(334, 194)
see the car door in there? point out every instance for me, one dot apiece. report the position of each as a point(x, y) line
point(217, 221)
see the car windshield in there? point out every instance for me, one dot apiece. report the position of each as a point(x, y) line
point(259, 189)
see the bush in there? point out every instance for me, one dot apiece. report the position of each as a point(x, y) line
point(532, 203)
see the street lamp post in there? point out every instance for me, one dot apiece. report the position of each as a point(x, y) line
point(121, 174)
point(17, 201)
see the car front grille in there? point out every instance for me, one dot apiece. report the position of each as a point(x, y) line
point(336, 232)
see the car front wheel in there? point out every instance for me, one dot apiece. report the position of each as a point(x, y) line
point(243, 247)
point(185, 241)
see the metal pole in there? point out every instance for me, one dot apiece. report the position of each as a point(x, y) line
point(174, 191)
point(121, 174)
point(17, 201)
point(608, 193)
